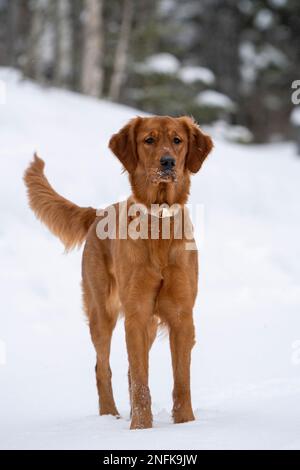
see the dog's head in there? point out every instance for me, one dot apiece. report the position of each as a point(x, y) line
point(159, 154)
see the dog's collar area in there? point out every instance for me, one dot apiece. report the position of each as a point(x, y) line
point(161, 211)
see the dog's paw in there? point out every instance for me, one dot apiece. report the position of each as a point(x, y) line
point(109, 411)
point(183, 415)
point(141, 421)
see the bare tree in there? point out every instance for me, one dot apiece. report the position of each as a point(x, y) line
point(121, 52)
point(11, 29)
point(76, 43)
point(93, 42)
point(221, 52)
point(33, 66)
point(62, 41)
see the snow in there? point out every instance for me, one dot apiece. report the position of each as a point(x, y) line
point(245, 366)
point(190, 74)
point(165, 7)
point(232, 133)
point(255, 60)
point(295, 117)
point(278, 3)
point(214, 99)
point(2, 92)
point(270, 55)
point(246, 6)
point(163, 63)
point(264, 19)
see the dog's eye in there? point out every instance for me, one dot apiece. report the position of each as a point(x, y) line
point(149, 140)
point(176, 140)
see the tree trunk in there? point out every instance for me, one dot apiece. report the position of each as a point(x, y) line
point(76, 44)
point(62, 42)
point(24, 14)
point(11, 36)
point(93, 39)
point(121, 52)
point(221, 24)
point(33, 67)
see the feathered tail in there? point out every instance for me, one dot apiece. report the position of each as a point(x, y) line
point(69, 222)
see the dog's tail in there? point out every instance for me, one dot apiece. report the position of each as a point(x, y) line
point(67, 221)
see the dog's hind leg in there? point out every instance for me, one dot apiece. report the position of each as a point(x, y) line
point(102, 317)
point(101, 327)
point(102, 306)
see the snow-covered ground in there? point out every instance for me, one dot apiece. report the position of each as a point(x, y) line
point(246, 363)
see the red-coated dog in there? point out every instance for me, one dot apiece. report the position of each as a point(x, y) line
point(149, 280)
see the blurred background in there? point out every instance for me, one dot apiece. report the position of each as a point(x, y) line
point(230, 64)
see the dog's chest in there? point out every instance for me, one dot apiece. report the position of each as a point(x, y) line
point(161, 253)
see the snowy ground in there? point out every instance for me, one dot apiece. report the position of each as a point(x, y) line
point(246, 364)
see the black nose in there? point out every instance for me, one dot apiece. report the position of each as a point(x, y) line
point(167, 162)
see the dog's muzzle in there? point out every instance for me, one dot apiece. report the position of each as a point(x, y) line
point(167, 163)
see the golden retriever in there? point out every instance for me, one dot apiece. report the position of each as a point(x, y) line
point(150, 279)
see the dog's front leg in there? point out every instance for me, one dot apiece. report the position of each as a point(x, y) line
point(138, 303)
point(175, 304)
point(152, 331)
point(181, 343)
point(137, 341)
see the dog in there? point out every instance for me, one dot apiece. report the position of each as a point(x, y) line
point(151, 280)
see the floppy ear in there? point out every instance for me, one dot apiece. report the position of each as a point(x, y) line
point(123, 145)
point(200, 145)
